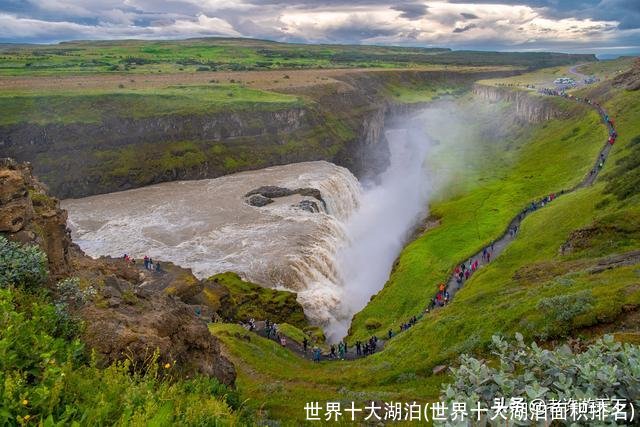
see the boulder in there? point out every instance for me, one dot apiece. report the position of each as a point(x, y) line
point(134, 327)
point(258, 200)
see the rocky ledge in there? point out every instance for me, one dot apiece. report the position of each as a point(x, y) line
point(124, 318)
point(264, 195)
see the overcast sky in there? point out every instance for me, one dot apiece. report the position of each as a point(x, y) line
point(598, 26)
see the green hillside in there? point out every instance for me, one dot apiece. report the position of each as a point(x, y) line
point(536, 288)
point(223, 54)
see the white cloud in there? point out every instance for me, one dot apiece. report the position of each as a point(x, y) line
point(359, 21)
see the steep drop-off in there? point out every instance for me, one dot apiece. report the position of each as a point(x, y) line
point(526, 106)
point(339, 121)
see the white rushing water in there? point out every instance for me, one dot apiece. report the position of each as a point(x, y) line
point(335, 260)
point(379, 229)
point(207, 226)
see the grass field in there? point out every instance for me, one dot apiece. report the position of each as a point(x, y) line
point(92, 106)
point(222, 54)
point(532, 288)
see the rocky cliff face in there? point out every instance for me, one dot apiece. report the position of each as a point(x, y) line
point(29, 215)
point(342, 123)
point(124, 318)
point(527, 106)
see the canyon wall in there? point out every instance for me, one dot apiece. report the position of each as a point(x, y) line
point(527, 106)
point(339, 121)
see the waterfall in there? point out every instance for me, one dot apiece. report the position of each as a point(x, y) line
point(377, 231)
point(208, 226)
point(335, 255)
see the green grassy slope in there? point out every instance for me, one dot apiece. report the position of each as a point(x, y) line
point(93, 106)
point(213, 54)
point(499, 178)
point(533, 287)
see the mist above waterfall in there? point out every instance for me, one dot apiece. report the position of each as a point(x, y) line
point(389, 210)
point(431, 151)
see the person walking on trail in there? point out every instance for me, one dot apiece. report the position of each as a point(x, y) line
point(305, 344)
point(316, 354)
point(146, 262)
point(488, 257)
point(358, 348)
point(333, 351)
point(390, 334)
point(158, 267)
point(441, 287)
point(341, 351)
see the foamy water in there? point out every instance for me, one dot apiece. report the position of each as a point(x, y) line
point(335, 260)
point(207, 226)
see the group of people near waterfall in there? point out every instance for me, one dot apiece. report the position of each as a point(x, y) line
point(368, 347)
point(404, 326)
point(461, 273)
point(338, 352)
point(613, 134)
point(147, 262)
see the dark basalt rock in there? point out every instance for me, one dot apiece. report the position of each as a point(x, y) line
point(273, 192)
point(308, 205)
point(259, 200)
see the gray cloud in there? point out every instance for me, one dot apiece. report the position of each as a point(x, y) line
point(412, 10)
point(468, 15)
point(465, 28)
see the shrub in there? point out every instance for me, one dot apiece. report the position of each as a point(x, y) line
point(562, 309)
point(372, 323)
point(70, 291)
point(45, 378)
point(35, 355)
point(22, 266)
point(605, 369)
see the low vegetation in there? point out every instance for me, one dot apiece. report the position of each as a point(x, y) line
point(223, 54)
point(97, 106)
point(47, 376)
point(605, 369)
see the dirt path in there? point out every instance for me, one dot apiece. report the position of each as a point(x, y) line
point(579, 76)
point(499, 245)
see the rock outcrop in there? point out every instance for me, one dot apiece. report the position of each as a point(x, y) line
point(527, 107)
point(264, 195)
point(630, 79)
point(29, 215)
point(125, 315)
point(227, 297)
